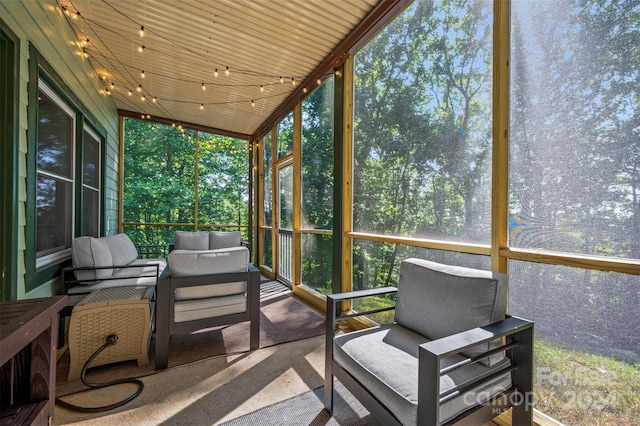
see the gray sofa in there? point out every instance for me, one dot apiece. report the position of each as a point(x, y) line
point(208, 282)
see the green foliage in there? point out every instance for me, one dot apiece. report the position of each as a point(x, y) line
point(160, 175)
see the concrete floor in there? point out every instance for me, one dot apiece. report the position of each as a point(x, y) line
point(210, 391)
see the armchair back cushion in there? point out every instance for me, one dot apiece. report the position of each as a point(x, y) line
point(453, 298)
point(223, 239)
point(186, 240)
point(91, 252)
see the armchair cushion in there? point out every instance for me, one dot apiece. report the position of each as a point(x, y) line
point(222, 239)
point(91, 252)
point(385, 361)
point(454, 298)
point(186, 240)
point(191, 310)
point(184, 263)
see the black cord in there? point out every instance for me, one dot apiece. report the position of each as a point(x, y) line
point(111, 339)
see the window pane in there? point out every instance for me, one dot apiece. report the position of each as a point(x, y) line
point(317, 258)
point(90, 212)
point(267, 256)
point(91, 161)
point(587, 343)
point(159, 173)
point(285, 183)
point(56, 129)
point(268, 181)
point(54, 205)
point(317, 158)
point(574, 134)
point(223, 187)
point(285, 136)
point(422, 130)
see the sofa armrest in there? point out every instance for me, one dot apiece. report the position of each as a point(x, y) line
point(69, 279)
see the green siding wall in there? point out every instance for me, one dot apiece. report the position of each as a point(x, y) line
point(42, 24)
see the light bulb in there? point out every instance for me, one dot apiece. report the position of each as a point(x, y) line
point(201, 107)
point(130, 93)
point(304, 90)
point(142, 74)
point(215, 73)
point(141, 48)
point(141, 32)
point(319, 81)
point(281, 80)
point(261, 88)
point(85, 53)
point(204, 87)
point(226, 72)
point(75, 15)
point(108, 92)
point(148, 116)
point(253, 103)
point(154, 100)
point(139, 88)
point(143, 98)
point(293, 81)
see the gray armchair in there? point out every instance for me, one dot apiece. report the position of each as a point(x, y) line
point(452, 355)
point(208, 282)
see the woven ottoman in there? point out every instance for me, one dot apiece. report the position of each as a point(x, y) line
point(124, 311)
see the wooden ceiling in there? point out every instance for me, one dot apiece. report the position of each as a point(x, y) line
point(272, 48)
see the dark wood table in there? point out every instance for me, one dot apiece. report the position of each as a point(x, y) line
point(28, 336)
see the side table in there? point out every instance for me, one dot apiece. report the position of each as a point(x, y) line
point(123, 311)
point(28, 330)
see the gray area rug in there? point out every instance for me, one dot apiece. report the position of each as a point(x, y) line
point(308, 409)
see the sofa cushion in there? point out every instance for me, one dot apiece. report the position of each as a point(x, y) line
point(91, 252)
point(385, 361)
point(191, 310)
point(184, 263)
point(185, 240)
point(438, 300)
point(221, 239)
point(123, 251)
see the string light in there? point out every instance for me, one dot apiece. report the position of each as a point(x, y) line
point(139, 88)
point(253, 103)
point(142, 74)
point(130, 93)
point(75, 15)
point(319, 81)
point(226, 72)
point(85, 53)
point(203, 87)
point(154, 100)
point(113, 85)
point(84, 42)
point(143, 98)
point(215, 73)
point(141, 48)
point(293, 81)
point(281, 80)
point(141, 32)
point(201, 107)
point(261, 88)
point(304, 90)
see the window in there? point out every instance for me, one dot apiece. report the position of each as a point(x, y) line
point(55, 175)
point(285, 136)
point(574, 176)
point(91, 183)
point(267, 200)
point(422, 125)
point(178, 179)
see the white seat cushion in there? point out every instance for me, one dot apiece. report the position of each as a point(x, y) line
point(191, 310)
point(385, 361)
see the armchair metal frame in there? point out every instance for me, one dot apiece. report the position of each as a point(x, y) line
point(165, 301)
point(517, 335)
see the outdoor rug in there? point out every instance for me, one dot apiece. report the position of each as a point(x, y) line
point(308, 409)
point(282, 319)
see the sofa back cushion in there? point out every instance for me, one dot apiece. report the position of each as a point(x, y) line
point(185, 263)
point(438, 300)
point(222, 239)
point(123, 251)
point(91, 252)
point(185, 240)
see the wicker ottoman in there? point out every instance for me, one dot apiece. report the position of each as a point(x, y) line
point(124, 311)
